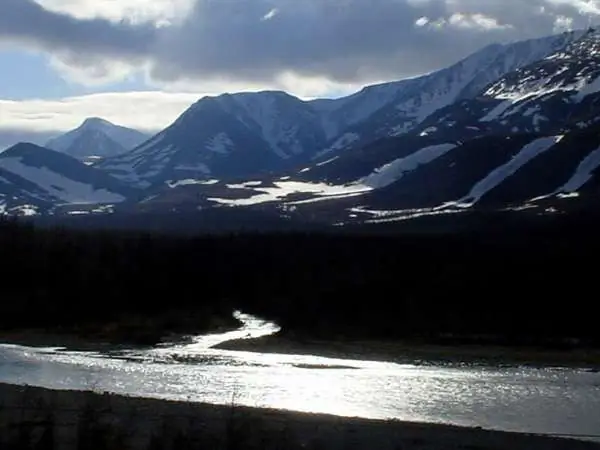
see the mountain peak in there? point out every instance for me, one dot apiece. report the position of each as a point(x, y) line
point(96, 122)
point(96, 137)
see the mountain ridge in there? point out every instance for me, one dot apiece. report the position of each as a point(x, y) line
point(252, 133)
point(507, 125)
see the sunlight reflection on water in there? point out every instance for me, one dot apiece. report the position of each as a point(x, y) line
point(518, 399)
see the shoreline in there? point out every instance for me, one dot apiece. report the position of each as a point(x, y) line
point(420, 353)
point(137, 423)
point(400, 352)
point(98, 343)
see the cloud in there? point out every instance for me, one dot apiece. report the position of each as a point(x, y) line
point(136, 11)
point(28, 23)
point(37, 120)
point(261, 42)
point(270, 14)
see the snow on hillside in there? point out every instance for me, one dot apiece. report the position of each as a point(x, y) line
point(392, 172)
point(58, 186)
point(220, 143)
point(572, 70)
point(583, 173)
point(501, 173)
point(339, 114)
point(190, 182)
point(279, 118)
point(284, 189)
point(467, 78)
point(342, 142)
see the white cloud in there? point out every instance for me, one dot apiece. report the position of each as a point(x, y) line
point(563, 23)
point(421, 22)
point(586, 7)
point(304, 87)
point(147, 110)
point(87, 70)
point(151, 110)
point(307, 46)
point(270, 14)
point(116, 10)
point(475, 21)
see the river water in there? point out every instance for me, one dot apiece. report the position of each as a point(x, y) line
point(549, 400)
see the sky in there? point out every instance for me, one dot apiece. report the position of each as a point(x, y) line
point(141, 63)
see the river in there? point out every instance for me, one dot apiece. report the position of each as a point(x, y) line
point(525, 399)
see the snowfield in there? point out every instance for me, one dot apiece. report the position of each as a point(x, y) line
point(284, 189)
point(65, 189)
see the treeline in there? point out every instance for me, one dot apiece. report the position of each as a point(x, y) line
point(530, 286)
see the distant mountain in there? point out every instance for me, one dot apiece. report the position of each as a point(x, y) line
point(34, 179)
point(96, 138)
point(248, 134)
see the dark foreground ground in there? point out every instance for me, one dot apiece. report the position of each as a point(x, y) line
point(40, 419)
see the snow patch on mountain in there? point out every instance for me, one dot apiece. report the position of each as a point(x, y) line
point(466, 79)
point(394, 171)
point(284, 189)
point(342, 113)
point(58, 186)
point(190, 182)
point(196, 168)
point(501, 173)
point(583, 173)
point(221, 143)
point(590, 88)
point(266, 110)
point(342, 142)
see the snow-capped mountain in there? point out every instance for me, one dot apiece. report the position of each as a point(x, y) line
point(225, 136)
point(426, 178)
point(560, 91)
point(421, 97)
point(96, 138)
point(36, 178)
point(507, 125)
point(248, 134)
point(534, 133)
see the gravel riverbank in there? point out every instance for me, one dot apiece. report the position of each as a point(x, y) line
point(46, 419)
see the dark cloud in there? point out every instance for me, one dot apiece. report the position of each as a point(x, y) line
point(27, 22)
point(255, 40)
